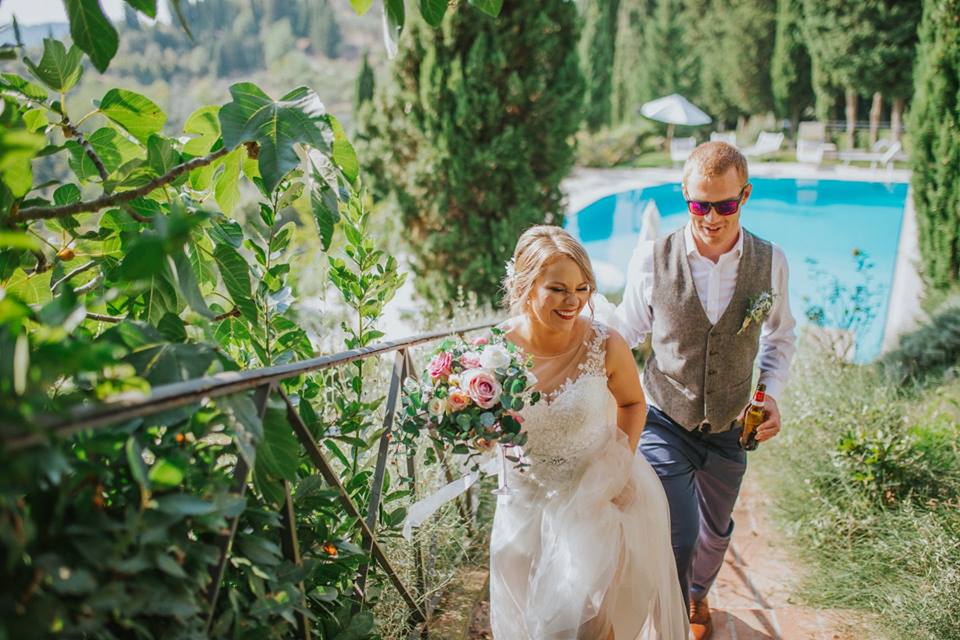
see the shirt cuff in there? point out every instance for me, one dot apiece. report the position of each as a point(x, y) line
point(774, 384)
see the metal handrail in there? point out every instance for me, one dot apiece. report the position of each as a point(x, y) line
point(178, 394)
point(266, 382)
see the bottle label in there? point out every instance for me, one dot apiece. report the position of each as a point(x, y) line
point(759, 398)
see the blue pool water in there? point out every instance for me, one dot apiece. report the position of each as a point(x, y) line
point(820, 220)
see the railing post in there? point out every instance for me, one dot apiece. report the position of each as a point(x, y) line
point(291, 551)
point(240, 472)
point(417, 547)
point(331, 478)
point(376, 488)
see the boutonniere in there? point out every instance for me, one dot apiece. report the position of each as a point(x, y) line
point(758, 307)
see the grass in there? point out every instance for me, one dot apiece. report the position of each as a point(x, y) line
point(866, 480)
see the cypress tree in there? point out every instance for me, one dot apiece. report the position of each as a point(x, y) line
point(846, 41)
point(790, 70)
point(130, 19)
point(629, 63)
point(935, 132)
point(898, 48)
point(596, 59)
point(324, 30)
point(364, 89)
point(746, 34)
point(670, 59)
point(716, 73)
point(470, 140)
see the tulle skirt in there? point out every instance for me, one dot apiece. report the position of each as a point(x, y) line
point(577, 558)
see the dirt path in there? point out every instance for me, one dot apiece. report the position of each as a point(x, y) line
point(752, 597)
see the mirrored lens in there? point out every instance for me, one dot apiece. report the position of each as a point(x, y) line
point(698, 208)
point(726, 207)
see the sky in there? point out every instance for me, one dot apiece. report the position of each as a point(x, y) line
point(40, 11)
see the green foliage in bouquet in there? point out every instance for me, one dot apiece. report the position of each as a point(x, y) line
point(470, 397)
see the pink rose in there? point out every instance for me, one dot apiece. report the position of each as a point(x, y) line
point(483, 445)
point(458, 400)
point(470, 360)
point(477, 342)
point(482, 387)
point(441, 365)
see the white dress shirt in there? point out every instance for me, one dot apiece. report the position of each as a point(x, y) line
point(715, 282)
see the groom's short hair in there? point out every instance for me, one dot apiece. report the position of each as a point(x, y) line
point(715, 158)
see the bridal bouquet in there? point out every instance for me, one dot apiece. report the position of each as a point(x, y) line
point(470, 396)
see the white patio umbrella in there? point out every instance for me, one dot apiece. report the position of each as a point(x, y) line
point(673, 110)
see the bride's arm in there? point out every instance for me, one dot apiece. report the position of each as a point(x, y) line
point(624, 383)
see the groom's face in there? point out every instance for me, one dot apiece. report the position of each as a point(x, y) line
point(714, 230)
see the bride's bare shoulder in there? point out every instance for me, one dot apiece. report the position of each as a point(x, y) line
point(509, 328)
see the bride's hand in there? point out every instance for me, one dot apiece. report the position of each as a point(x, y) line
point(626, 495)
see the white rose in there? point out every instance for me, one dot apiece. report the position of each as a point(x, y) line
point(494, 357)
point(531, 379)
point(437, 406)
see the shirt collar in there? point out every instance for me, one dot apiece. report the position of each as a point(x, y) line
point(691, 244)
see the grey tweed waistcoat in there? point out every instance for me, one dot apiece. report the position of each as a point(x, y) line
point(701, 372)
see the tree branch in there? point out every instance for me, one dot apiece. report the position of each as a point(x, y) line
point(233, 313)
point(87, 147)
point(116, 199)
point(75, 272)
point(103, 318)
point(136, 216)
point(42, 263)
point(89, 286)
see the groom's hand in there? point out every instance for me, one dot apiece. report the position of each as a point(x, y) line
point(771, 426)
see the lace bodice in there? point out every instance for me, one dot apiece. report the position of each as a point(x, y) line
point(573, 421)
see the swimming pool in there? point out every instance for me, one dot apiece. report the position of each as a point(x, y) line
point(819, 224)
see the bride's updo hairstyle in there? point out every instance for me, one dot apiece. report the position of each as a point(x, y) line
point(536, 248)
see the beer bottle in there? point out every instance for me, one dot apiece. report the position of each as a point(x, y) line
point(754, 418)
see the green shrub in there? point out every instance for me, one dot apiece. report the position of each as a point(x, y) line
point(890, 466)
point(930, 350)
point(618, 146)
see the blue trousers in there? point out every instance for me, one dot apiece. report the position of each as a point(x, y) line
point(701, 475)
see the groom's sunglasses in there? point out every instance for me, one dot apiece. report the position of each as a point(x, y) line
point(722, 207)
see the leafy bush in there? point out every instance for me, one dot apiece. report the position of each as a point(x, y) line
point(930, 350)
point(136, 273)
point(618, 146)
point(890, 466)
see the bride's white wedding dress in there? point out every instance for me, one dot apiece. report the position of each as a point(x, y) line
point(583, 544)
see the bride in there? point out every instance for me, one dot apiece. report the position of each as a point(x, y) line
point(581, 549)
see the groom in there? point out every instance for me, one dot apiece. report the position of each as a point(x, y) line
point(691, 291)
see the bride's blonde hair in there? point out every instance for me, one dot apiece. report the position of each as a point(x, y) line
point(536, 248)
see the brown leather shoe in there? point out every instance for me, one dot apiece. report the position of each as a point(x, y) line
point(701, 626)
